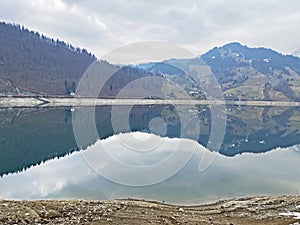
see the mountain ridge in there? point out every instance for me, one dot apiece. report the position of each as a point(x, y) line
point(32, 64)
point(237, 66)
point(246, 73)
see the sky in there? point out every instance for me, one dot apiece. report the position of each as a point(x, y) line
point(196, 25)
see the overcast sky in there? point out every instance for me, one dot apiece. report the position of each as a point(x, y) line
point(197, 25)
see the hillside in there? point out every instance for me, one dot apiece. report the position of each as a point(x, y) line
point(243, 72)
point(256, 73)
point(32, 64)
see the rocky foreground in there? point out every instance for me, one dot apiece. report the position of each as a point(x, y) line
point(253, 210)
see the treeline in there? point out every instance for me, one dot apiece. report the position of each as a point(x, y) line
point(31, 63)
point(47, 40)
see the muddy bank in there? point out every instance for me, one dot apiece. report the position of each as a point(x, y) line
point(252, 210)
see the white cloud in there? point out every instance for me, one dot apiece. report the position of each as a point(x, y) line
point(103, 25)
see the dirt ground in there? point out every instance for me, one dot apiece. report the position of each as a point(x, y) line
point(251, 210)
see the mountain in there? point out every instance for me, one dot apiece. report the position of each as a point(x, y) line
point(245, 73)
point(32, 64)
point(258, 73)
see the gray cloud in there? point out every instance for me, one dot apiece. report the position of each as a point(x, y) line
point(103, 25)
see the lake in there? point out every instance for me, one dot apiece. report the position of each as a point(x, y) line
point(150, 152)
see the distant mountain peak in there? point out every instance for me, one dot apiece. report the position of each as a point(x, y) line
point(234, 45)
point(238, 47)
point(237, 50)
point(233, 64)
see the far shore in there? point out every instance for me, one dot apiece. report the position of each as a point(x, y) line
point(78, 102)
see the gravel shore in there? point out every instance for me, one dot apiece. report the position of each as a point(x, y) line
point(251, 210)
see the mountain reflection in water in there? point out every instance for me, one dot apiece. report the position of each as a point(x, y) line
point(274, 172)
point(30, 137)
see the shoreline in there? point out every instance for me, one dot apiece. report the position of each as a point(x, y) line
point(11, 102)
point(248, 210)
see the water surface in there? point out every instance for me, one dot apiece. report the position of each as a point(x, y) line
point(39, 153)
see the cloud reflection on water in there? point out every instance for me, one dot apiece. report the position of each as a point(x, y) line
point(274, 172)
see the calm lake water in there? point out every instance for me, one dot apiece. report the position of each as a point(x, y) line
point(148, 157)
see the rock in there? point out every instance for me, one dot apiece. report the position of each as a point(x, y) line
point(52, 214)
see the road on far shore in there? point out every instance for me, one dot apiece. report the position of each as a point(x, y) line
point(73, 102)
